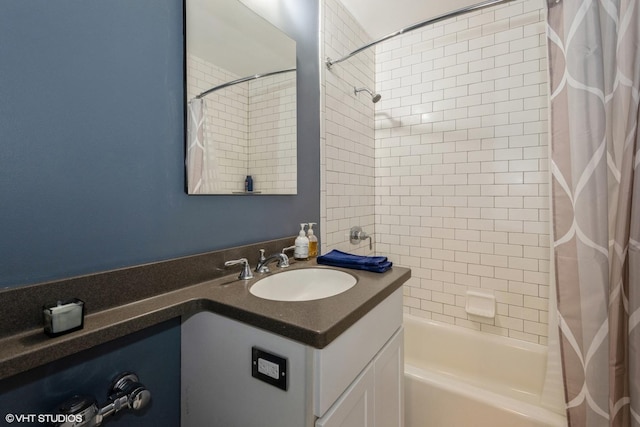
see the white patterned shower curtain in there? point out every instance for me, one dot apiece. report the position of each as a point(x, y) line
point(195, 145)
point(594, 67)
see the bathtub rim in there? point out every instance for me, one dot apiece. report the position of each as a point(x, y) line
point(491, 337)
point(473, 392)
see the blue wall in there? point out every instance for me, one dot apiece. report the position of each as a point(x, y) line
point(152, 354)
point(92, 157)
point(92, 175)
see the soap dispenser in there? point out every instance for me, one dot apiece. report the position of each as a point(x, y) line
point(313, 241)
point(301, 252)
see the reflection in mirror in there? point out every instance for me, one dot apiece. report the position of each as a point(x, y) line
point(241, 101)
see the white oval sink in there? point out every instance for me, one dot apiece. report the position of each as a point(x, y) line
point(303, 285)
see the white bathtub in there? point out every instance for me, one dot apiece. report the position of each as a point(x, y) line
point(456, 377)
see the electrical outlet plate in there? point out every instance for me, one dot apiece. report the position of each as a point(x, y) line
point(269, 367)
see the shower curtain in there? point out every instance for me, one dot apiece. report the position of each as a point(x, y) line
point(594, 70)
point(195, 144)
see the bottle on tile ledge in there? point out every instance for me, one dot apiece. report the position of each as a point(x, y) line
point(248, 184)
point(313, 241)
point(301, 251)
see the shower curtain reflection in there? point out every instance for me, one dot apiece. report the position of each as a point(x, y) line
point(203, 170)
point(195, 144)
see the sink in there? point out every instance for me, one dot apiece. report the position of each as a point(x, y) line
point(305, 284)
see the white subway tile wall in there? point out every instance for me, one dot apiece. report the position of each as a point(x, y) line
point(273, 134)
point(458, 189)
point(347, 132)
point(461, 166)
point(245, 125)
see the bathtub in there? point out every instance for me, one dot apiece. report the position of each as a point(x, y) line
point(455, 377)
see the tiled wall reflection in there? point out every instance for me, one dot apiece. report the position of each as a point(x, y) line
point(250, 129)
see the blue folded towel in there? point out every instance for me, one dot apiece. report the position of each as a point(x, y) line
point(336, 258)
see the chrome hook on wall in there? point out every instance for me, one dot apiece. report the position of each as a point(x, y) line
point(356, 235)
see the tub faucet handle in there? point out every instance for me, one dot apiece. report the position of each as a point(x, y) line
point(356, 235)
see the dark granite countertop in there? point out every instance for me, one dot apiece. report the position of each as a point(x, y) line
point(315, 323)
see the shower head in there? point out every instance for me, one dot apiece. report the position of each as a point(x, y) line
point(375, 97)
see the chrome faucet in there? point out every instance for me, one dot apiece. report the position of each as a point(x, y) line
point(262, 267)
point(246, 273)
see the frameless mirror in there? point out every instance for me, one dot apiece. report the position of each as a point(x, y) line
point(240, 100)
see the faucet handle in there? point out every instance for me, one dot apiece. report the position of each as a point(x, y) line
point(284, 260)
point(288, 248)
point(357, 234)
point(246, 273)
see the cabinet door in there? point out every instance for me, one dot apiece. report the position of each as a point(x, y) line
point(389, 382)
point(354, 408)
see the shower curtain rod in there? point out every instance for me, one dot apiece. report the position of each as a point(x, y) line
point(242, 80)
point(439, 18)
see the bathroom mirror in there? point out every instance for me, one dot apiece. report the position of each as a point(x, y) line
point(240, 101)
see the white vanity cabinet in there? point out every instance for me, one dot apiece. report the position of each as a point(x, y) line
point(375, 398)
point(356, 380)
point(355, 407)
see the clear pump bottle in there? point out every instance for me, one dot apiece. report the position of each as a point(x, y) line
point(313, 241)
point(301, 251)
